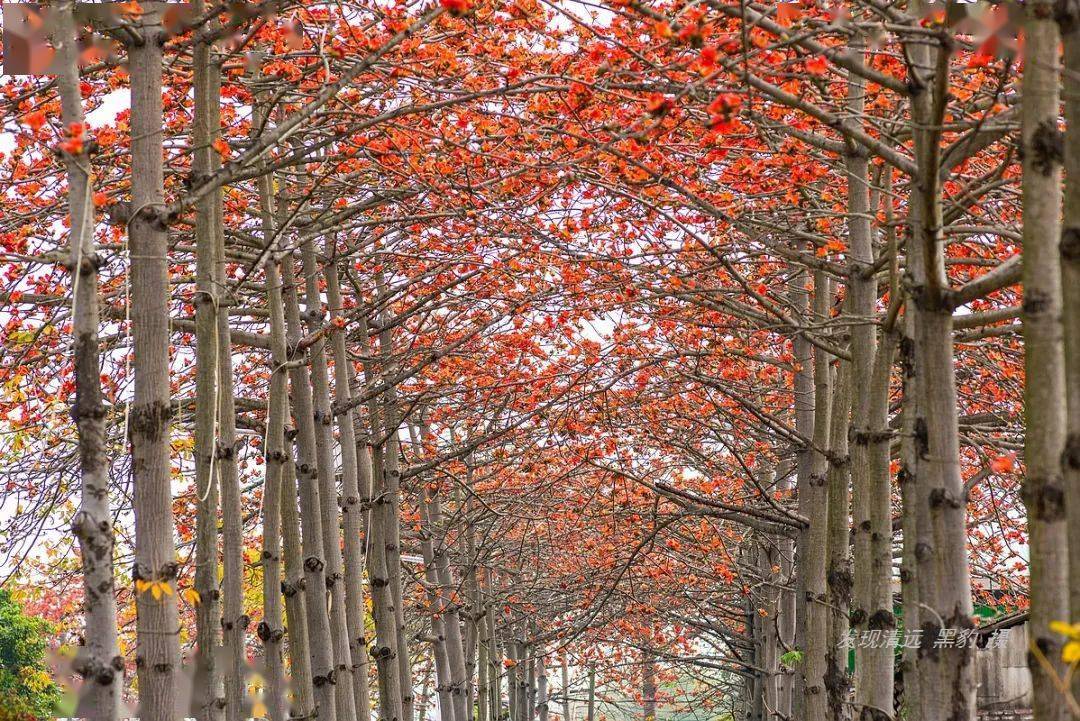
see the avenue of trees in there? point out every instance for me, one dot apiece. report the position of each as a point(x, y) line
point(478, 360)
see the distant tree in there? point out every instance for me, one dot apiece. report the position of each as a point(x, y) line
point(26, 688)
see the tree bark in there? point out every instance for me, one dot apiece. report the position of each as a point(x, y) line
point(1044, 387)
point(443, 684)
point(271, 630)
point(157, 654)
point(382, 601)
point(328, 493)
point(813, 540)
point(98, 661)
point(947, 682)
point(1070, 284)
point(355, 488)
point(565, 690)
point(648, 687)
point(542, 706)
point(208, 612)
point(450, 608)
point(319, 634)
point(234, 621)
point(791, 613)
point(590, 714)
point(838, 539)
point(391, 506)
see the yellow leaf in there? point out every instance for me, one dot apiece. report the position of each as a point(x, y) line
point(1071, 652)
point(155, 590)
point(1071, 630)
point(259, 710)
point(166, 588)
point(192, 596)
point(141, 586)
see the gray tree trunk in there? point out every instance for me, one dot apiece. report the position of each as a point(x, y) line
point(838, 540)
point(299, 648)
point(648, 687)
point(157, 627)
point(208, 612)
point(590, 714)
point(391, 507)
point(947, 682)
point(234, 621)
point(443, 684)
point(870, 483)
point(328, 493)
point(98, 660)
point(271, 630)
point(319, 633)
point(565, 690)
point(383, 606)
point(450, 609)
point(1070, 284)
point(791, 615)
point(1044, 387)
point(355, 488)
point(542, 706)
point(813, 540)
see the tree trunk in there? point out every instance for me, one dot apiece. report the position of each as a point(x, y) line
point(155, 568)
point(947, 683)
point(911, 567)
point(208, 612)
point(355, 488)
point(791, 608)
point(648, 687)
point(391, 507)
point(455, 651)
point(530, 682)
point(234, 621)
point(98, 660)
point(541, 689)
point(293, 587)
point(870, 484)
point(483, 692)
point(838, 538)
point(382, 601)
point(299, 647)
point(328, 493)
point(443, 684)
point(590, 714)
point(1070, 284)
point(1044, 387)
point(813, 540)
point(565, 690)
point(495, 665)
point(319, 634)
point(271, 630)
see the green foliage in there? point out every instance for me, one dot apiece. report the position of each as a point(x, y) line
point(27, 690)
point(791, 658)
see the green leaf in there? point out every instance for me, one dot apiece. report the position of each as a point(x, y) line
point(791, 658)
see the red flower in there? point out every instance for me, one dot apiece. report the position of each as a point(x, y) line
point(725, 104)
point(35, 120)
point(659, 106)
point(72, 146)
point(708, 56)
point(1003, 463)
point(985, 54)
point(787, 13)
point(817, 66)
point(455, 7)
